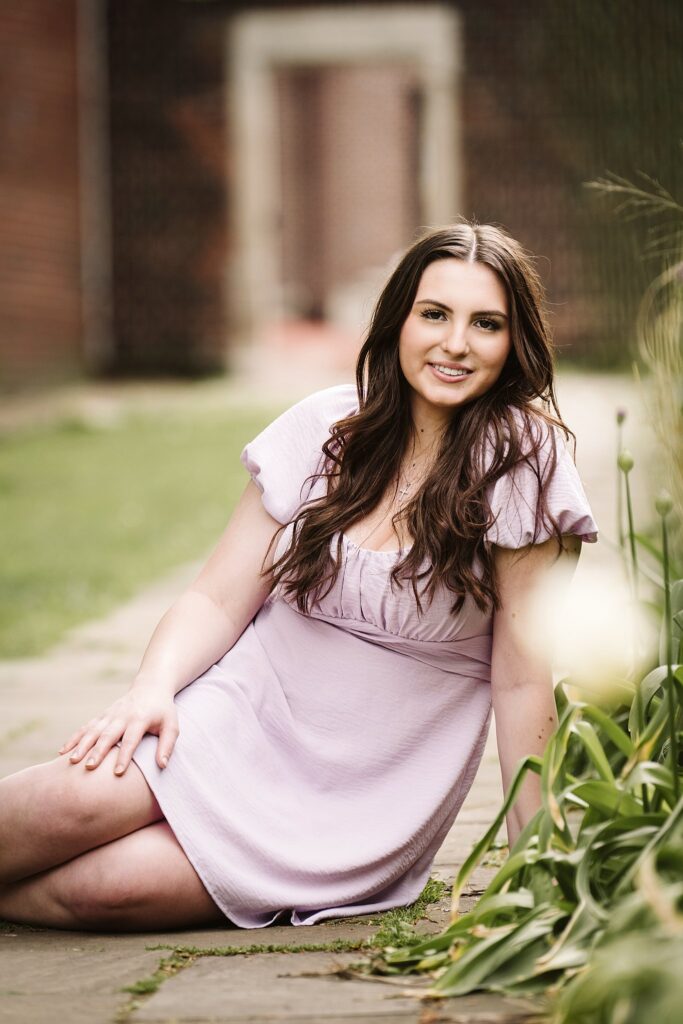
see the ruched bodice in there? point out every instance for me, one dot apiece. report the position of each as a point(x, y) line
point(365, 602)
point(322, 760)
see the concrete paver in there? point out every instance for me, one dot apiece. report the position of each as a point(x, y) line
point(71, 977)
point(298, 987)
point(46, 976)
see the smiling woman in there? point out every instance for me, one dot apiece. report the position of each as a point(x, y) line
point(455, 341)
point(345, 642)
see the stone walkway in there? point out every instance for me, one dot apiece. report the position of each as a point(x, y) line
point(48, 976)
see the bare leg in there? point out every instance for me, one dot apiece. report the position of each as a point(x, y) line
point(55, 811)
point(141, 882)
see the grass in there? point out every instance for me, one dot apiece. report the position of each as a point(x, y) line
point(91, 513)
point(394, 926)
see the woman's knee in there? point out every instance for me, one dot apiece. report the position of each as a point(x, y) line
point(139, 882)
point(56, 811)
point(53, 798)
point(95, 899)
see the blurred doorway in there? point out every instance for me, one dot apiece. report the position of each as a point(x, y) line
point(349, 173)
point(345, 140)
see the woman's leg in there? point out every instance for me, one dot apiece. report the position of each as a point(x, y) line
point(142, 882)
point(55, 811)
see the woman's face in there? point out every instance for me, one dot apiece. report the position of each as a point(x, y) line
point(456, 338)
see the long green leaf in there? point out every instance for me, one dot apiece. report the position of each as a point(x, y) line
point(553, 760)
point(670, 825)
point(648, 739)
point(588, 736)
point(509, 869)
point(613, 732)
point(648, 686)
point(477, 964)
point(606, 798)
point(531, 763)
point(654, 774)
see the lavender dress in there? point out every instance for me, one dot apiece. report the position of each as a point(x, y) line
point(323, 759)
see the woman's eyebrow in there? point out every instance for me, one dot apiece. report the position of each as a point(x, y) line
point(491, 312)
point(442, 305)
point(433, 302)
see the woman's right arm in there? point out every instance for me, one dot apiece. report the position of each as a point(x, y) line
point(197, 630)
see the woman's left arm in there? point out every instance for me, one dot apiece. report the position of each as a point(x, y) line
point(521, 673)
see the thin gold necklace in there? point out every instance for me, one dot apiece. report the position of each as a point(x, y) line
point(400, 492)
point(409, 480)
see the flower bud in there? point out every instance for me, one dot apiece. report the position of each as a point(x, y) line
point(663, 503)
point(625, 461)
point(621, 416)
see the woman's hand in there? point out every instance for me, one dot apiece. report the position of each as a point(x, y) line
point(199, 627)
point(143, 709)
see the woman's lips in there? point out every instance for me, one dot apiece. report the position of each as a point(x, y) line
point(448, 374)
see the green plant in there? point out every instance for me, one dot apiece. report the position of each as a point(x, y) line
point(599, 866)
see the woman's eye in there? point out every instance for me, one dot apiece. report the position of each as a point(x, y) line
point(486, 324)
point(433, 314)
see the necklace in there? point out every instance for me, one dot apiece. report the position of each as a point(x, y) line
point(411, 476)
point(404, 485)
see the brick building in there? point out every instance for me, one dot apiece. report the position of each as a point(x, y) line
point(177, 176)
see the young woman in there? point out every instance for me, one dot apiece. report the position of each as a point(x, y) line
point(344, 642)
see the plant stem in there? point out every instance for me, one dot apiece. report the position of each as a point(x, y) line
point(640, 711)
point(620, 494)
point(673, 742)
point(632, 538)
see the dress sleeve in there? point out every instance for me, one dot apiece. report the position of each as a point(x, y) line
point(283, 456)
point(513, 498)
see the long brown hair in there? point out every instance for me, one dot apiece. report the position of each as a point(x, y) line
point(450, 515)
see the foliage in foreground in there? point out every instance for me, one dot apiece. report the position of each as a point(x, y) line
point(574, 892)
point(589, 904)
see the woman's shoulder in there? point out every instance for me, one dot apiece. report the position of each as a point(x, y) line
point(329, 404)
point(545, 465)
point(307, 424)
point(535, 428)
point(288, 452)
point(536, 436)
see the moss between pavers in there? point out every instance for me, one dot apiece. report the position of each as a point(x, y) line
point(395, 926)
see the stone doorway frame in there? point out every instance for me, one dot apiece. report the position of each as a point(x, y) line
point(426, 35)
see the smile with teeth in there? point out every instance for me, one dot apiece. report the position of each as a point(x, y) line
point(449, 370)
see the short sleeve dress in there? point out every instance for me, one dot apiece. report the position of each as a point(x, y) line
point(322, 760)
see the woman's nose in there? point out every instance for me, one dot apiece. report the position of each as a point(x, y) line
point(456, 339)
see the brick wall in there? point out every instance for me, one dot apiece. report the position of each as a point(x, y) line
point(553, 94)
point(556, 94)
point(168, 186)
point(40, 319)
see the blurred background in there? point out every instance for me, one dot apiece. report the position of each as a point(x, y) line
point(199, 200)
point(183, 183)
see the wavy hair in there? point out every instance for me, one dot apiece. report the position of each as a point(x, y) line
point(449, 516)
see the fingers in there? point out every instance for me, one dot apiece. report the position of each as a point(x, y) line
point(73, 740)
point(126, 724)
point(168, 734)
point(94, 740)
point(129, 743)
point(110, 734)
point(82, 741)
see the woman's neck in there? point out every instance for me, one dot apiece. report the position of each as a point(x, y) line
point(428, 430)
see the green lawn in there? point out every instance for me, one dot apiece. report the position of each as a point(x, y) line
point(90, 514)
